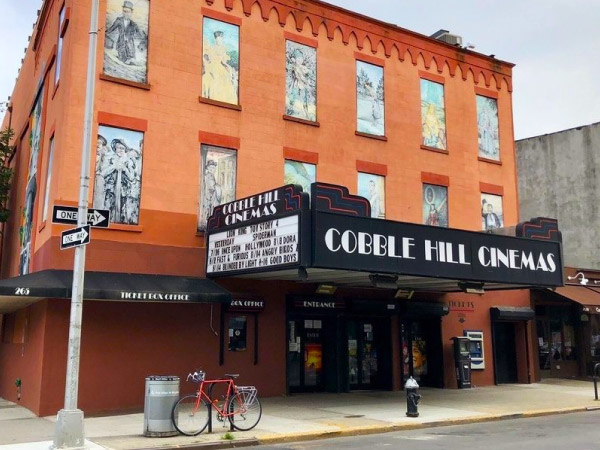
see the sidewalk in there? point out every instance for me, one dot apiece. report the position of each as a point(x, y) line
point(312, 416)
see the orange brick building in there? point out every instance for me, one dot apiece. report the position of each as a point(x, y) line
point(157, 79)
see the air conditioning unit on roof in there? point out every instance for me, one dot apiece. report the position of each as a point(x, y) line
point(446, 36)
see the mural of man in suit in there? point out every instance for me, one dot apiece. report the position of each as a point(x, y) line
point(127, 31)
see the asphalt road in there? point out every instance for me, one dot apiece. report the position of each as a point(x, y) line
point(580, 431)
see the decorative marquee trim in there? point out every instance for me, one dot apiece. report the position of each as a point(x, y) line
point(409, 45)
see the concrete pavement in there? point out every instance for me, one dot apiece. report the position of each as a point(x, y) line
point(314, 416)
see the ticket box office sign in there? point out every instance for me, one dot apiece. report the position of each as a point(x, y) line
point(384, 246)
point(260, 233)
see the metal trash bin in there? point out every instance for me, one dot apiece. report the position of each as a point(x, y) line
point(162, 392)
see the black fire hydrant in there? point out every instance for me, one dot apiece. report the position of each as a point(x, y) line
point(412, 397)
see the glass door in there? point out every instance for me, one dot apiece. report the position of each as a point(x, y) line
point(362, 354)
point(305, 355)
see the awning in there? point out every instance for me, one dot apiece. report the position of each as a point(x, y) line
point(586, 296)
point(512, 313)
point(18, 292)
point(424, 309)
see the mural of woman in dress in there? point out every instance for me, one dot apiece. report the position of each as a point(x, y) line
point(220, 61)
point(435, 205)
point(487, 127)
point(433, 116)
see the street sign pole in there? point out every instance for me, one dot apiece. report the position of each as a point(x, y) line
point(69, 424)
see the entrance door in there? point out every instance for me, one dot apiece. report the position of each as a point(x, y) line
point(305, 355)
point(505, 354)
point(363, 357)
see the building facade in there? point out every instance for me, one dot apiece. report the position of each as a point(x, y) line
point(557, 178)
point(199, 104)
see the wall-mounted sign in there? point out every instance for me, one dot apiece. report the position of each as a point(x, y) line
point(464, 306)
point(246, 304)
point(317, 303)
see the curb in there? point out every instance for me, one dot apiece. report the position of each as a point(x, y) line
point(250, 442)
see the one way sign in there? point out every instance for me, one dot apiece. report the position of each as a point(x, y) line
point(75, 237)
point(97, 218)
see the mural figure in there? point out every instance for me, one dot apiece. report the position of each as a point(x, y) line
point(117, 186)
point(126, 40)
point(370, 105)
point(487, 126)
point(435, 205)
point(433, 116)
point(372, 187)
point(301, 81)
point(303, 174)
point(489, 205)
point(220, 61)
point(218, 180)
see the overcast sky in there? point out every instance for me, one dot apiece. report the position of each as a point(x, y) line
point(554, 43)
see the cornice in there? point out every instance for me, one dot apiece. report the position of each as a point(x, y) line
point(383, 38)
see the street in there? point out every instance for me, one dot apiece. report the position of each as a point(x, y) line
point(578, 431)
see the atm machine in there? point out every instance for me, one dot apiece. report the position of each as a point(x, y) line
point(462, 361)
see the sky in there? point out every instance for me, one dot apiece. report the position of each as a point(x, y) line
point(554, 44)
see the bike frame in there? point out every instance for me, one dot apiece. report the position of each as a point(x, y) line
point(231, 389)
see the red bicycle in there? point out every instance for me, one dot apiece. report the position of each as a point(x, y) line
point(239, 404)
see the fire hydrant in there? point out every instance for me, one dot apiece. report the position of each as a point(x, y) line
point(412, 397)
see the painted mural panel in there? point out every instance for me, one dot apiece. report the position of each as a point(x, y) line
point(370, 99)
point(126, 40)
point(372, 187)
point(303, 174)
point(219, 170)
point(118, 175)
point(435, 205)
point(35, 145)
point(487, 127)
point(433, 115)
point(492, 215)
point(300, 81)
point(220, 61)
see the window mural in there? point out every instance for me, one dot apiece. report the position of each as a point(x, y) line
point(220, 61)
point(218, 169)
point(303, 174)
point(300, 81)
point(35, 145)
point(118, 177)
point(433, 115)
point(370, 99)
point(372, 187)
point(435, 205)
point(491, 212)
point(487, 127)
point(126, 40)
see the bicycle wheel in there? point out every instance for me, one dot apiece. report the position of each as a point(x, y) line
point(246, 410)
point(189, 419)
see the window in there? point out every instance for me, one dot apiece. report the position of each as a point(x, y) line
point(435, 205)
point(433, 115)
point(492, 215)
point(237, 334)
point(59, 46)
point(220, 61)
point(48, 180)
point(126, 40)
point(219, 171)
point(487, 127)
point(302, 174)
point(372, 187)
point(118, 177)
point(300, 81)
point(370, 99)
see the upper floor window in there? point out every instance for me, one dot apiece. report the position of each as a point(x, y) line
point(370, 99)
point(219, 172)
point(118, 178)
point(48, 180)
point(300, 81)
point(487, 127)
point(59, 46)
point(372, 187)
point(300, 173)
point(433, 115)
point(435, 205)
point(492, 215)
point(220, 61)
point(126, 40)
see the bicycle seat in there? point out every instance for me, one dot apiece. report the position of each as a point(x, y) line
point(232, 375)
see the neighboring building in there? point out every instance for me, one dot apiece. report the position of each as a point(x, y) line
point(558, 177)
point(201, 103)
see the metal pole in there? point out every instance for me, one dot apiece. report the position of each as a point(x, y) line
point(69, 425)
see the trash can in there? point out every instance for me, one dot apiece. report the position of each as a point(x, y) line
point(162, 392)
